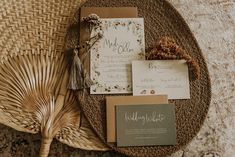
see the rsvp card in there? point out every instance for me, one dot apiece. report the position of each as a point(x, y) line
point(145, 125)
point(111, 57)
point(156, 77)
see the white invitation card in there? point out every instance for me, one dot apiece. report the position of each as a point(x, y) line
point(158, 77)
point(110, 62)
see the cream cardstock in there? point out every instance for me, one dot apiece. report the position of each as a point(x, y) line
point(111, 57)
point(156, 77)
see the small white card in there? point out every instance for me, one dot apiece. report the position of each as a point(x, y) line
point(159, 77)
point(122, 42)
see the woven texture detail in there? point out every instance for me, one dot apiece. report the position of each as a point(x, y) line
point(33, 73)
point(34, 26)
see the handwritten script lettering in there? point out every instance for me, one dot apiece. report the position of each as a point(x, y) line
point(118, 47)
point(153, 117)
point(111, 56)
point(153, 66)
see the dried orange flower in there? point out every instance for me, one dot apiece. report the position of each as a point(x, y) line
point(167, 48)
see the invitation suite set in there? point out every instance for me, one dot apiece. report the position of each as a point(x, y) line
point(137, 90)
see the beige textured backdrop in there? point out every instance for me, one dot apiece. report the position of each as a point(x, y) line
point(213, 24)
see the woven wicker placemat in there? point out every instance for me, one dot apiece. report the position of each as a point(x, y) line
point(161, 19)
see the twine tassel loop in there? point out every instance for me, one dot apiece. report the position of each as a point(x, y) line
point(79, 78)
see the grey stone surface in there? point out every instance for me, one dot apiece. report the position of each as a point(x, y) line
point(213, 24)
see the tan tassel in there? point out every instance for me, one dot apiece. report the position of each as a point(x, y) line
point(79, 78)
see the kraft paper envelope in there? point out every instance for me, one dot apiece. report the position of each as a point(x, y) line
point(103, 12)
point(112, 101)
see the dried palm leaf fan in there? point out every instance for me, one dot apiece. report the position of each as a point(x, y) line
point(34, 98)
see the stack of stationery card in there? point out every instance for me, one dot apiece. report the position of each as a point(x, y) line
point(117, 65)
point(110, 59)
point(113, 101)
point(122, 42)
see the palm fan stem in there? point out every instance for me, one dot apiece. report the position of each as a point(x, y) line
point(46, 140)
point(45, 147)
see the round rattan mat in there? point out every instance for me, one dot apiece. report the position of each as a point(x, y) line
point(161, 19)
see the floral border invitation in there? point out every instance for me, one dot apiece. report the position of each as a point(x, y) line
point(122, 42)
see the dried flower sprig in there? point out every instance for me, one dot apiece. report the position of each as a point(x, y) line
point(167, 48)
point(90, 43)
point(92, 20)
point(79, 78)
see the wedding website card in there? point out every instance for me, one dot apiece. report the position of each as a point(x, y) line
point(156, 77)
point(145, 125)
point(110, 59)
point(113, 101)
